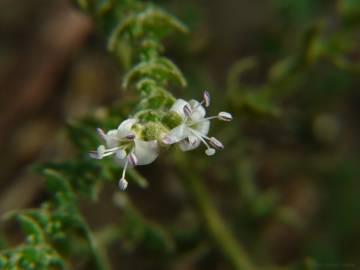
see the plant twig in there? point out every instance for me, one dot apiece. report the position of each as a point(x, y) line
point(213, 222)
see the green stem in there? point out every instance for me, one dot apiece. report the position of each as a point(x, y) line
point(213, 222)
point(100, 259)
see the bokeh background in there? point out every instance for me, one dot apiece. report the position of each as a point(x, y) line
point(288, 180)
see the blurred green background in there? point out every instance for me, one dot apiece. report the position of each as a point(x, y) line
point(288, 180)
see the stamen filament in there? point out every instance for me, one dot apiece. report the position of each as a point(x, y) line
point(108, 154)
point(209, 151)
point(199, 104)
point(201, 137)
point(124, 169)
point(204, 119)
point(112, 149)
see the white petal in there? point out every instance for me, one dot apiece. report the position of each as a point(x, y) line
point(185, 145)
point(192, 139)
point(120, 154)
point(178, 107)
point(112, 138)
point(93, 154)
point(124, 128)
point(100, 151)
point(127, 124)
point(187, 110)
point(133, 160)
point(198, 111)
point(146, 151)
point(120, 157)
point(121, 162)
point(101, 133)
point(178, 133)
point(203, 127)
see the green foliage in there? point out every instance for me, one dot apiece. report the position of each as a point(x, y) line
point(317, 65)
point(136, 230)
point(56, 230)
point(135, 28)
point(138, 28)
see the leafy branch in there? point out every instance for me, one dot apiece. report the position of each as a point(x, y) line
point(57, 229)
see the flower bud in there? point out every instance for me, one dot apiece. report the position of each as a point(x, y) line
point(154, 131)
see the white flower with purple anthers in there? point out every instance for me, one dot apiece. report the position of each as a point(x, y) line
point(194, 126)
point(127, 148)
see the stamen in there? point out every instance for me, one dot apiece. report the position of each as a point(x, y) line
point(206, 96)
point(101, 133)
point(123, 184)
point(224, 116)
point(187, 110)
point(204, 119)
point(111, 149)
point(94, 154)
point(109, 154)
point(199, 104)
point(100, 151)
point(130, 137)
point(192, 140)
point(216, 143)
point(132, 159)
point(166, 140)
point(209, 151)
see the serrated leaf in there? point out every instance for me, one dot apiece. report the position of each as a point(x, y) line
point(32, 228)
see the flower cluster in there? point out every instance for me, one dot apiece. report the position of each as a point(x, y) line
point(130, 147)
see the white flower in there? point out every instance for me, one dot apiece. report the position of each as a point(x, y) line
point(129, 150)
point(194, 127)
